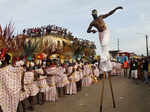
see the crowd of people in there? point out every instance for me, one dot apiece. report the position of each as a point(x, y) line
point(33, 81)
point(137, 69)
point(46, 30)
point(59, 32)
point(140, 69)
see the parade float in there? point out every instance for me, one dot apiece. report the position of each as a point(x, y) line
point(54, 45)
point(58, 47)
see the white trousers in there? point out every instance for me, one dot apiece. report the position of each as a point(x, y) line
point(105, 64)
point(134, 74)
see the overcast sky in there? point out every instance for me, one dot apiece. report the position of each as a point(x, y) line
point(129, 25)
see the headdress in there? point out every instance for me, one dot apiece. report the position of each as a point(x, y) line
point(29, 58)
point(19, 63)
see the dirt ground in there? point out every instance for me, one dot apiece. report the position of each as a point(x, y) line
point(130, 96)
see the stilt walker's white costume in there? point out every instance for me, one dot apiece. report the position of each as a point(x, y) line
point(105, 63)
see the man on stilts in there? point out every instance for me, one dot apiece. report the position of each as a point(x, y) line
point(105, 63)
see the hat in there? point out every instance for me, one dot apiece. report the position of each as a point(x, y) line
point(38, 57)
point(29, 58)
point(19, 63)
point(3, 52)
point(50, 57)
point(37, 61)
point(32, 64)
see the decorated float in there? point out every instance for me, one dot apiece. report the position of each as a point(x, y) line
point(52, 45)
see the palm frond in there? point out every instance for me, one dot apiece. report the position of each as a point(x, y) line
point(31, 48)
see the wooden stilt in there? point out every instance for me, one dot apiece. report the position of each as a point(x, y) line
point(1, 109)
point(102, 92)
point(110, 84)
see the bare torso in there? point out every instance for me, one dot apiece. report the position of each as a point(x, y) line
point(99, 24)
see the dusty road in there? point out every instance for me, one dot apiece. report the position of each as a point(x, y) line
point(130, 96)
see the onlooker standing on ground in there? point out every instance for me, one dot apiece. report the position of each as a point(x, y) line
point(131, 66)
point(134, 69)
point(145, 70)
point(125, 67)
point(140, 69)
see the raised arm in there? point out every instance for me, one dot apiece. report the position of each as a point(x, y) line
point(111, 12)
point(89, 30)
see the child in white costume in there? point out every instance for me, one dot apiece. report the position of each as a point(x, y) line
point(51, 72)
point(87, 79)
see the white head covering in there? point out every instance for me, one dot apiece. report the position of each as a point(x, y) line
point(19, 63)
point(32, 64)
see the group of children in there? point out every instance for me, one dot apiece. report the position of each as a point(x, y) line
point(54, 81)
point(40, 83)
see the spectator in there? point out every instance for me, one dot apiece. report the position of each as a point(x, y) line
point(140, 69)
point(48, 29)
point(39, 32)
point(134, 69)
point(125, 67)
point(24, 31)
point(131, 66)
point(145, 70)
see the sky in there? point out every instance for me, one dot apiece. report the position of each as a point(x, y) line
point(129, 25)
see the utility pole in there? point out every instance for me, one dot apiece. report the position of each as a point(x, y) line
point(146, 44)
point(118, 44)
point(146, 35)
